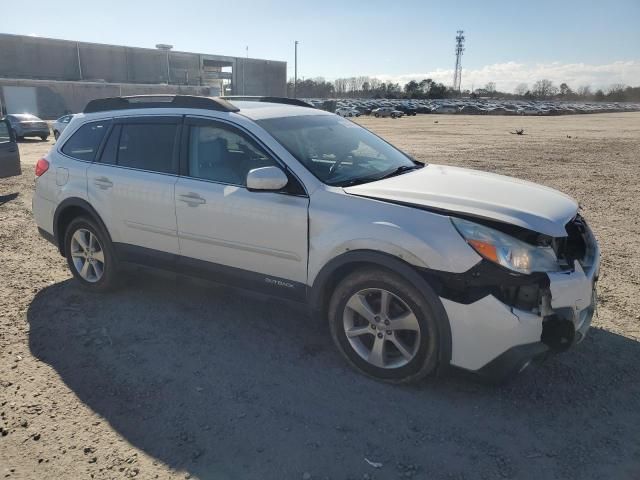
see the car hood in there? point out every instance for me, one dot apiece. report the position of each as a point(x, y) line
point(475, 193)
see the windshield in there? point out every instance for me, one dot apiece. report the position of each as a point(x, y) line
point(337, 151)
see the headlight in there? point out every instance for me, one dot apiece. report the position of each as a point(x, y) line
point(506, 250)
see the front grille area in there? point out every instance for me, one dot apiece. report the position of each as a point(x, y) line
point(576, 245)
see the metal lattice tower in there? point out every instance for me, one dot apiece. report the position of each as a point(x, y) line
point(457, 74)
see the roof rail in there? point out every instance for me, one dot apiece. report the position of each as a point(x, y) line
point(159, 101)
point(284, 100)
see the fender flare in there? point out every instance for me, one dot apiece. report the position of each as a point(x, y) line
point(74, 202)
point(317, 292)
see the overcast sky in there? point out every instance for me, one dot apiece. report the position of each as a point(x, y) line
point(508, 42)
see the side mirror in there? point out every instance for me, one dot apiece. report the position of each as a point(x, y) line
point(266, 179)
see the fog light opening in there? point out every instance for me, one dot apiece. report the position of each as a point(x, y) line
point(558, 333)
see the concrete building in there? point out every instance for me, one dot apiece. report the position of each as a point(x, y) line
point(49, 77)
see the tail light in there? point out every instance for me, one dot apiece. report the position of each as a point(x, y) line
point(41, 167)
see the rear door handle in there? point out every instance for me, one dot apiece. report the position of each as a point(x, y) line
point(103, 182)
point(192, 199)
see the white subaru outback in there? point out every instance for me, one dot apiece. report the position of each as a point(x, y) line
point(416, 267)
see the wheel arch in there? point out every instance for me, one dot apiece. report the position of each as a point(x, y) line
point(339, 267)
point(69, 209)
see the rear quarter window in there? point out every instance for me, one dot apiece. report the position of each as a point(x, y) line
point(84, 143)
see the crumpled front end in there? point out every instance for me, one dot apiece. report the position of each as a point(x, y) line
point(568, 306)
point(501, 320)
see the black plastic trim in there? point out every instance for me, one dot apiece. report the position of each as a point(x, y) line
point(47, 236)
point(484, 278)
point(159, 101)
point(223, 274)
point(149, 119)
point(74, 202)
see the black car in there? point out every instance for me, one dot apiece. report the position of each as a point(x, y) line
point(407, 110)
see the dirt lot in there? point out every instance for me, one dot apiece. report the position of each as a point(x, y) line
point(172, 378)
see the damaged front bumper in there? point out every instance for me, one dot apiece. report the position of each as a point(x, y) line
point(500, 322)
point(572, 300)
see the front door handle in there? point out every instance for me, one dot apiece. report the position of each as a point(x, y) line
point(103, 182)
point(192, 199)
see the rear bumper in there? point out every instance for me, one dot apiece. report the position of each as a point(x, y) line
point(28, 132)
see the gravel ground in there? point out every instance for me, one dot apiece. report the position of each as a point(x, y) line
point(174, 378)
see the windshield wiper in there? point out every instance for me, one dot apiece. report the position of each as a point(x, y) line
point(400, 170)
point(373, 178)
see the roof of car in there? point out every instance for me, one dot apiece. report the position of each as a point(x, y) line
point(264, 110)
point(255, 108)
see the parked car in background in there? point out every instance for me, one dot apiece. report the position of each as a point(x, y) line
point(387, 112)
point(408, 110)
point(60, 124)
point(9, 153)
point(446, 108)
point(347, 112)
point(27, 125)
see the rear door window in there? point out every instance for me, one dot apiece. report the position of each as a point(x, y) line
point(84, 143)
point(148, 146)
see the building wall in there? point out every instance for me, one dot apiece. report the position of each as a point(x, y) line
point(24, 57)
point(253, 76)
point(50, 99)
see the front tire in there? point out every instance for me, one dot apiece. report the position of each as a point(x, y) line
point(44, 138)
point(384, 327)
point(90, 255)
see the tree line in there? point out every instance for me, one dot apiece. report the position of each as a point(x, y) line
point(371, 87)
point(365, 87)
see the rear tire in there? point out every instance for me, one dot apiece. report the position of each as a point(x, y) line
point(44, 138)
point(90, 255)
point(398, 343)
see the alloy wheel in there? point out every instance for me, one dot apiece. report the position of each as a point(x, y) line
point(87, 255)
point(381, 328)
